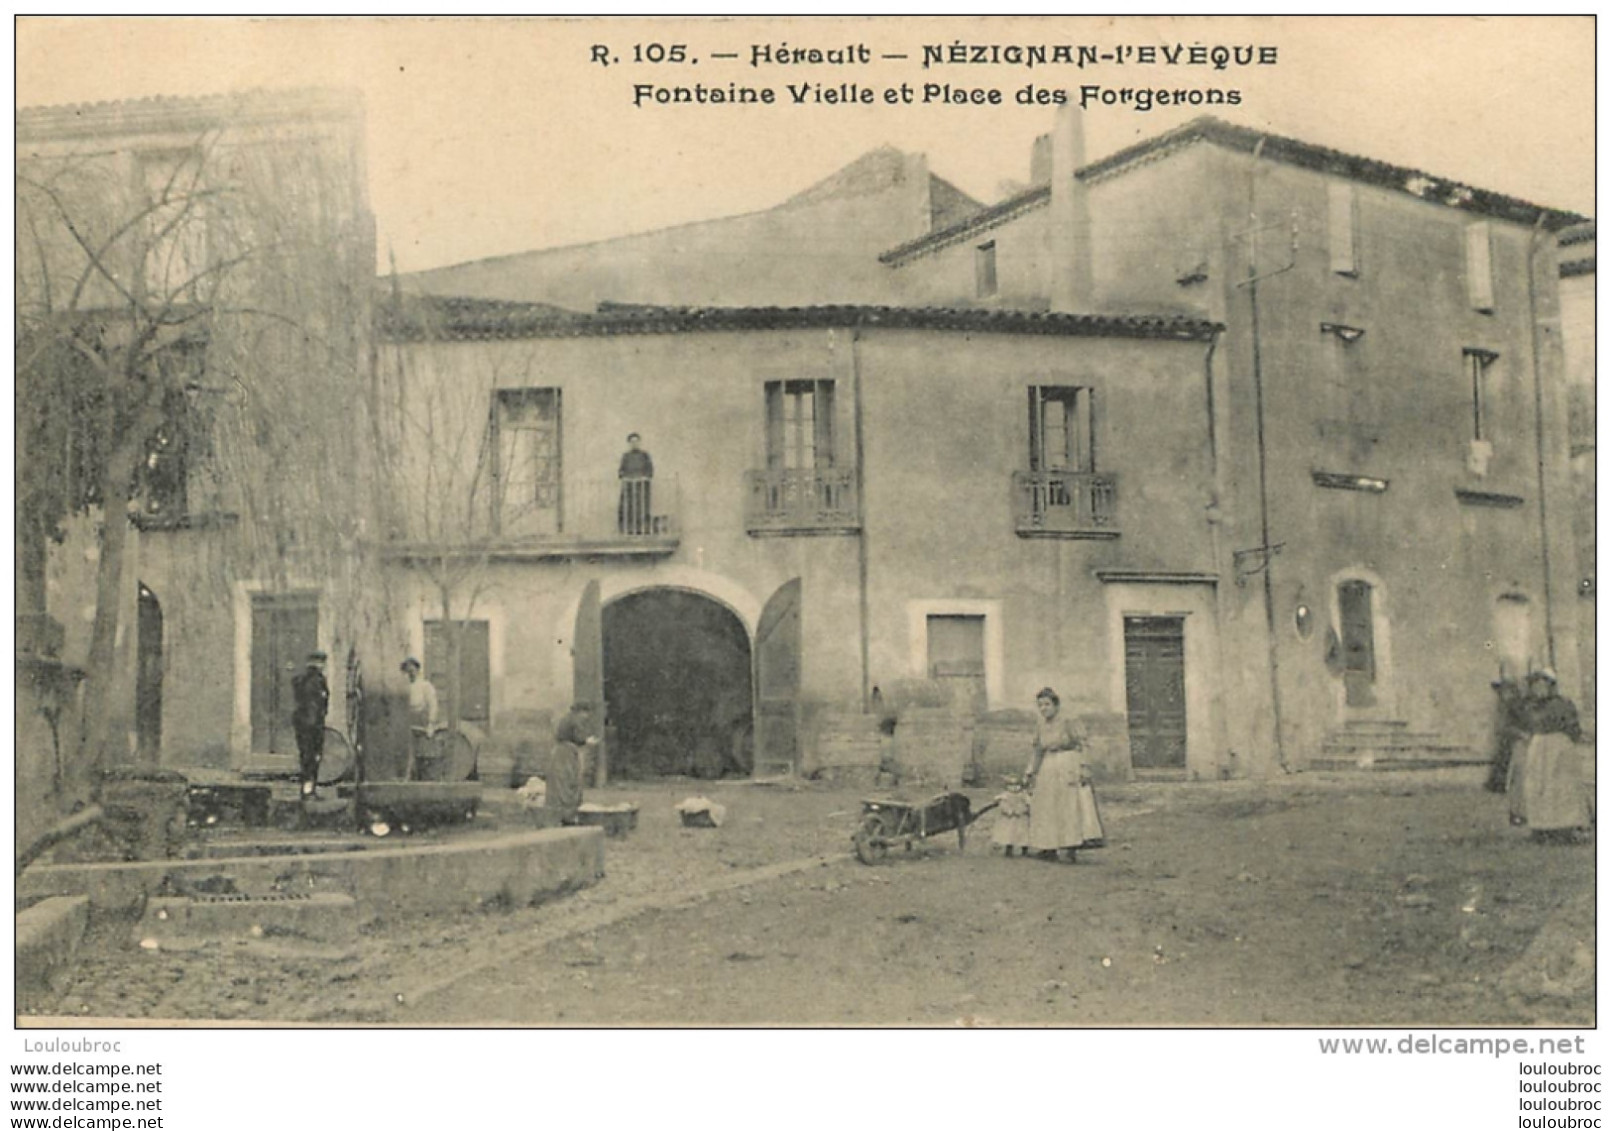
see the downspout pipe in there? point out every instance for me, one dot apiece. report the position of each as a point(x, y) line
point(861, 533)
point(1538, 436)
point(1268, 558)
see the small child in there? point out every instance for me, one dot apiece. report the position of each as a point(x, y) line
point(1012, 818)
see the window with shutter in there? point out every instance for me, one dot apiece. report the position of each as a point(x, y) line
point(1479, 266)
point(1343, 201)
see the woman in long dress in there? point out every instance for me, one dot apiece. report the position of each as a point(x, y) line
point(1547, 789)
point(1062, 809)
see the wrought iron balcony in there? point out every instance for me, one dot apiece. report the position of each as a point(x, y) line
point(802, 500)
point(1065, 504)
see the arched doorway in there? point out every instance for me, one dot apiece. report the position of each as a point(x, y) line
point(677, 686)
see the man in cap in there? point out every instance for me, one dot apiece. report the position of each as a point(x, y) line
point(1510, 727)
point(312, 702)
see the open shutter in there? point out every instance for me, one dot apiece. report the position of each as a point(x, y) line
point(777, 682)
point(587, 665)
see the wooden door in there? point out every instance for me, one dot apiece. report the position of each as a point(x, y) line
point(285, 628)
point(587, 666)
point(148, 677)
point(1358, 643)
point(475, 667)
point(1155, 687)
point(777, 683)
point(957, 660)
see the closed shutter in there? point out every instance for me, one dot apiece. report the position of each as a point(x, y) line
point(1479, 266)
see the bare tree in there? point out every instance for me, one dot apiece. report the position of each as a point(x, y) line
point(455, 477)
point(190, 343)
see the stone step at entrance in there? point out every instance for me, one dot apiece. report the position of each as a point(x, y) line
point(1389, 744)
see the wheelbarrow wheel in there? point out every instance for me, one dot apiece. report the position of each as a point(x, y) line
point(869, 840)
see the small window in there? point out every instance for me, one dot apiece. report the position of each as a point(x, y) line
point(1062, 434)
point(1480, 266)
point(984, 269)
point(1479, 373)
point(1343, 201)
point(957, 658)
point(799, 425)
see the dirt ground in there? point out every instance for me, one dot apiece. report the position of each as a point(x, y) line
point(1397, 899)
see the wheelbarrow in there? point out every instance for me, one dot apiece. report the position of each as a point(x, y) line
point(886, 821)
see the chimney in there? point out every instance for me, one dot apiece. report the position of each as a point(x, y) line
point(1040, 161)
point(1070, 217)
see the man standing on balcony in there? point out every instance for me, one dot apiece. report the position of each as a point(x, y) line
point(633, 516)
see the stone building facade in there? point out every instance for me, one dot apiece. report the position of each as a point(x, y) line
point(1352, 518)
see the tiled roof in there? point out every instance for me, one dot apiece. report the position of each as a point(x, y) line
point(1287, 150)
point(970, 225)
point(434, 318)
point(1580, 233)
point(1577, 267)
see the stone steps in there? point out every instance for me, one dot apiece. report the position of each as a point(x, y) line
point(1391, 745)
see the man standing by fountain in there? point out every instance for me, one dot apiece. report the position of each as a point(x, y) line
point(312, 696)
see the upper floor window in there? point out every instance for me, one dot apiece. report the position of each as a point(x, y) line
point(799, 425)
point(1062, 494)
point(1480, 266)
point(181, 441)
point(1061, 429)
point(1343, 227)
point(802, 488)
point(174, 250)
point(984, 269)
point(527, 460)
point(1479, 366)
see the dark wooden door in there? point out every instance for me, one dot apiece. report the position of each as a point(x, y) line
point(1358, 643)
point(777, 682)
point(285, 628)
point(148, 677)
point(587, 668)
point(1155, 687)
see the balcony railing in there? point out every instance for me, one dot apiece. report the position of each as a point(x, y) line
point(595, 511)
point(578, 517)
point(1065, 504)
point(794, 500)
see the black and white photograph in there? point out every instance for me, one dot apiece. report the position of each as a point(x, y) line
point(784, 523)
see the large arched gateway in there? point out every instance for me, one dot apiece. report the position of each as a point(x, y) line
point(677, 686)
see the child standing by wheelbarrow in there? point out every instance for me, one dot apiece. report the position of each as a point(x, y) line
point(1012, 819)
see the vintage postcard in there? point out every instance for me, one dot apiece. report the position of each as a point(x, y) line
point(780, 522)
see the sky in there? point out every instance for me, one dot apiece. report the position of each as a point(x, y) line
point(492, 136)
